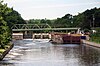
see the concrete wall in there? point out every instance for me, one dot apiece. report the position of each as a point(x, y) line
point(65, 38)
point(41, 36)
point(57, 39)
point(17, 36)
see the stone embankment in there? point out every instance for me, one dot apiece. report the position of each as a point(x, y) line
point(6, 52)
point(91, 43)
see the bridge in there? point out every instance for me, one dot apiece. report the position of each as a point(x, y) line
point(37, 27)
point(28, 30)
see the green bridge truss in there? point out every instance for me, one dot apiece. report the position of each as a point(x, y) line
point(35, 27)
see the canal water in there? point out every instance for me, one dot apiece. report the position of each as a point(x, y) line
point(40, 52)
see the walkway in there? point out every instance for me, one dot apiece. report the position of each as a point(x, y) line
point(91, 43)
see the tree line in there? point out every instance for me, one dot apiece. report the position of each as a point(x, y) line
point(86, 20)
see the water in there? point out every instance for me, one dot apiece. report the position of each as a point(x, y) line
point(42, 53)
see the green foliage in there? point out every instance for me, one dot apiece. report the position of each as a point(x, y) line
point(89, 18)
point(8, 17)
point(65, 21)
point(14, 18)
point(97, 29)
point(4, 33)
point(95, 37)
point(86, 30)
point(86, 20)
point(1, 51)
point(34, 21)
point(4, 30)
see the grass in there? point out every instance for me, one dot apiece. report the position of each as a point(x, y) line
point(6, 46)
point(95, 37)
point(1, 51)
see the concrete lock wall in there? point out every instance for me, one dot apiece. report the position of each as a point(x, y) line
point(17, 36)
point(41, 36)
point(57, 39)
point(65, 38)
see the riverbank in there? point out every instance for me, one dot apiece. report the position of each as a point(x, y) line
point(91, 43)
point(4, 52)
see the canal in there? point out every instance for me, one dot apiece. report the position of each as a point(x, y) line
point(39, 52)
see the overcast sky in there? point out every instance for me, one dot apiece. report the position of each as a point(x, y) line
point(50, 9)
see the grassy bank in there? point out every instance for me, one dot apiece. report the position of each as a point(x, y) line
point(5, 51)
point(95, 37)
point(6, 47)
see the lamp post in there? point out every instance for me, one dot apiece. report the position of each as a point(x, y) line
point(71, 21)
point(93, 21)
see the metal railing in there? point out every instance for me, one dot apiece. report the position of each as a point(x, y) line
point(34, 27)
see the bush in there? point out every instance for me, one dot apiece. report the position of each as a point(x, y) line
point(95, 37)
point(98, 30)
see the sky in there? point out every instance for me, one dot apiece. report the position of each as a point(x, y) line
point(50, 9)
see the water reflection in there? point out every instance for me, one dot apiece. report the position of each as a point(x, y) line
point(43, 53)
point(90, 56)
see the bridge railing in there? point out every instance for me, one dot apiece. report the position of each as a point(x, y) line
point(30, 26)
point(34, 27)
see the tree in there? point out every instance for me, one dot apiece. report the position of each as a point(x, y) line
point(88, 19)
point(43, 21)
point(14, 18)
point(4, 30)
point(64, 22)
point(4, 33)
point(85, 20)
